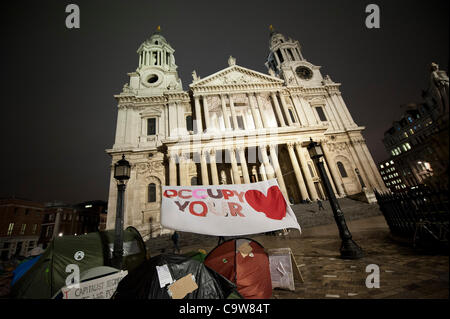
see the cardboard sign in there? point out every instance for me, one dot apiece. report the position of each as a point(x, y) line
point(183, 286)
point(227, 210)
point(245, 249)
point(100, 288)
point(283, 268)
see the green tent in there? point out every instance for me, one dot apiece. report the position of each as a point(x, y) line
point(48, 275)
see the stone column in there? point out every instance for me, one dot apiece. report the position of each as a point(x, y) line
point(244, 168)
point(311, 114)
point(263, 115)
point(262, 171)
point(206, 111)
point(345, 122)
point(358, 165)
point(298, 173)
point(276, 164)
point(254, 110)
point(204, 168)
point(364, 164)
point(226, 118)
point(212, 161)
point(345, 109)
point(268, 168)
point(285, 108)
point(183, 170)
point(234, 167)
point(334, 174)
point(301, 152)
point(300, 111)
point(277, 109)
point(172, 170)
point(372, 165)
point(233, 112)
point(332, 181)
point(198, 115)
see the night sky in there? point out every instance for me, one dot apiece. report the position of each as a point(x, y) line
point(58, 111)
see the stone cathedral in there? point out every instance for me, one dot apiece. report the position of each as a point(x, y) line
point(234, 126)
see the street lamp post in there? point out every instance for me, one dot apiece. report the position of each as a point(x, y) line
point(121, 173)
point(349, 249)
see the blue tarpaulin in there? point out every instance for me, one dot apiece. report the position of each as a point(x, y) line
point(23, 268)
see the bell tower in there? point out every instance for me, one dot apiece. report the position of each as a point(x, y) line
point(157, 71)
point(286, 61)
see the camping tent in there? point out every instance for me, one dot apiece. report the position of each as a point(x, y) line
point(48, 274)
point(144, 282)
point(244, 262)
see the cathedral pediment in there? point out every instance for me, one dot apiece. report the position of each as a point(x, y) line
point(236, 76)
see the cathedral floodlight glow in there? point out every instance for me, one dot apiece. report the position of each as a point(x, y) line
point(234, 126)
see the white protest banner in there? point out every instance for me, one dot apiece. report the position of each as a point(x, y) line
point(227, 210)
point(100, 288)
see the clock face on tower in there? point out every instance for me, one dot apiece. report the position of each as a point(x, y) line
point(304, 73)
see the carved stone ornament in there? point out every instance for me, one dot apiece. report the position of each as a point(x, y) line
point(334, 147)
point(149, 167)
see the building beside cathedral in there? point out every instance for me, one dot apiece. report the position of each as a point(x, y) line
point(418, 142)
point(234, 126)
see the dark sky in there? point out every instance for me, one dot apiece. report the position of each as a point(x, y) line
point(58, 112)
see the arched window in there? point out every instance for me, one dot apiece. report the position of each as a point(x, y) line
point(151, 192)
point(342, 169)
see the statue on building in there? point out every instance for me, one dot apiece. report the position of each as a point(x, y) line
point(231, 61)
point(271, 72)
point(195, 76)
point(126, 88)
point(439, 86)
point(327, 80)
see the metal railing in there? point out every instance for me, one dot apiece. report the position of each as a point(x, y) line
point(420, 214)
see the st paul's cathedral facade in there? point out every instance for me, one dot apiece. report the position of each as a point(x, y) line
point(234, 126)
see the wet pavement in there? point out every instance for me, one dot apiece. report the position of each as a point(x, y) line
point(405, 273)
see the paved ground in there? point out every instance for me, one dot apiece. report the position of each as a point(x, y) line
point(404, 272)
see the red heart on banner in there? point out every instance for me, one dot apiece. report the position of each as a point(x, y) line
point(273, 205)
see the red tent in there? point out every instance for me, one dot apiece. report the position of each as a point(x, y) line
point(244, 262)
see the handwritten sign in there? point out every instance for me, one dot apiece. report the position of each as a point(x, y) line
point(227, 210)
point(283, 268)
point(100, 288)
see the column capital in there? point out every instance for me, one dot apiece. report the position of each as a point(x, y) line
point(184, 156)
point(240, 148)
point(291, 145)
point(211, 151)
point(173, 154)
point(204, 151)
point(299, 143)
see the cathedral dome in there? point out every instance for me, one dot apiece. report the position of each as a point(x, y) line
point(156, 39)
